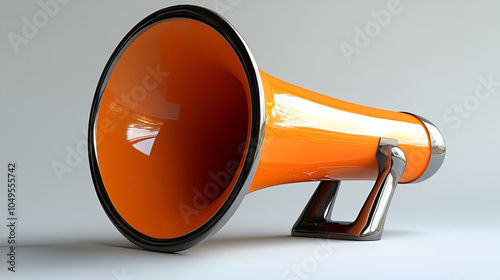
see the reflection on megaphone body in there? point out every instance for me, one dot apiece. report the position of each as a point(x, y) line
point(215, 128)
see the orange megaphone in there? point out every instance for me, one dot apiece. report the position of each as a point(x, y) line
point(183, 125)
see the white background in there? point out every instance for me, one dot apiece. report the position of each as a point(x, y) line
point(427, 60)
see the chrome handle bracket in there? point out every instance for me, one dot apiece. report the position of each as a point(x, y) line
point(315, 218)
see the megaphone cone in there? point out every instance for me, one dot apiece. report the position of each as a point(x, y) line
point(184, 125)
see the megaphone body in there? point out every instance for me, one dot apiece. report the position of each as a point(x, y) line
point(184, 125)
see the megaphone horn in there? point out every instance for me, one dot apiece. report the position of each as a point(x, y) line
point(183, 125)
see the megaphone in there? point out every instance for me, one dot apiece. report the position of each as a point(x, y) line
point(184, 124)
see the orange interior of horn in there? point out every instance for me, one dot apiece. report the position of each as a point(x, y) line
point(172, 128)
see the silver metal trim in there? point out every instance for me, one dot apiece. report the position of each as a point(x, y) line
point(315, 219)
point(258, 117)
point(438, 149)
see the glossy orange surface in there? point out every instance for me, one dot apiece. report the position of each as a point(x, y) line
point(174, 121)
point(310, 137)
point(171, 123)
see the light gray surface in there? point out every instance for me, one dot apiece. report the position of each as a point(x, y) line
point(428, 60)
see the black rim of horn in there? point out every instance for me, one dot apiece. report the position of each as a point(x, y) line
point(240, 189)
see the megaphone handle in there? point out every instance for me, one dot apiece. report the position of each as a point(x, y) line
point(315, 219)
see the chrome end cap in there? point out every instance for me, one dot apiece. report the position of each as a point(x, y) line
point(438, 149)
